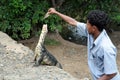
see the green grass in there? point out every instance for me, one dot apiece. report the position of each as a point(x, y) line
point(53, 42)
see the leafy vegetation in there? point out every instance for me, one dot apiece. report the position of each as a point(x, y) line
point(79, 8)
point(22, 19)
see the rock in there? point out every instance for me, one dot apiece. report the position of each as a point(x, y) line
point(38, 73)
point(15, 63)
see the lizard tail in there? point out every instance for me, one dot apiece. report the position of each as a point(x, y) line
point(59, 65)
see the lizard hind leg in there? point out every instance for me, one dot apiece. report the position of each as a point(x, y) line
point(38, 60)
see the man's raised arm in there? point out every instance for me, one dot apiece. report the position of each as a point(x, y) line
point(64, 17)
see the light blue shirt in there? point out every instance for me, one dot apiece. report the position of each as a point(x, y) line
point(101, 53)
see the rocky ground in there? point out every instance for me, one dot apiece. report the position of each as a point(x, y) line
point(16, 63)
point(15, 59)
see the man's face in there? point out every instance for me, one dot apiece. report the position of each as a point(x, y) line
point(90, 28)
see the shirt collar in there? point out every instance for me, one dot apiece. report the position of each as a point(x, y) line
point(99, 38)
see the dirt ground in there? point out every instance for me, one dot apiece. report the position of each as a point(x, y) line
point(73, 57)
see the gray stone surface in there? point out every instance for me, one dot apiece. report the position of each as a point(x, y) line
point(16, 63)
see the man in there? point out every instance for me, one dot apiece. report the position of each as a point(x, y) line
point(101, 51)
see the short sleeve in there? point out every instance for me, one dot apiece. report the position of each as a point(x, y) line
point(110, 65)
point(81, 29)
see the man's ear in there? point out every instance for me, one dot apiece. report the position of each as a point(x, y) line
point(94, 28)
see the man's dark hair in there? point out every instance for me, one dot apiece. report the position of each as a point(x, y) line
point(98, 18)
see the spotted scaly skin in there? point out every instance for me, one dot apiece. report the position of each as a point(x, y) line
point(40, 42)
point(42, 55)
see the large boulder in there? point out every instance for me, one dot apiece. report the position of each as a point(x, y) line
point(16, 63)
